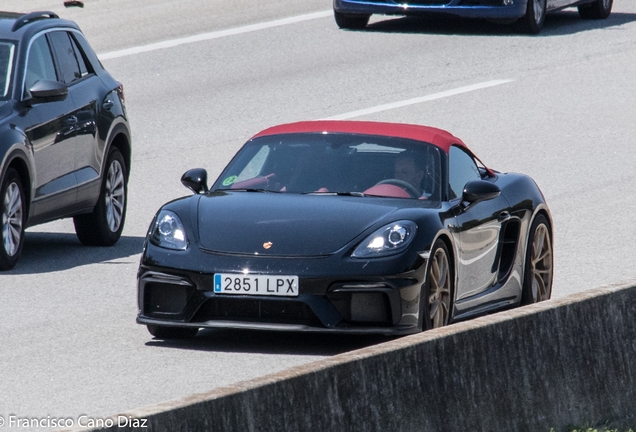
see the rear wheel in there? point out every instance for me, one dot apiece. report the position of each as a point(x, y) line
point(600, 9)
point(13, 212)
point(537, 278)
point(436, 297)
point(351, 21)
point(532, 21)
point(163, 332)
point(104, 225)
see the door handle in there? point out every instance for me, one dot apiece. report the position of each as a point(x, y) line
point(108, 105)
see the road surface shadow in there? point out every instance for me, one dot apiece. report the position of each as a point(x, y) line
point(45, 252)
point(271, 342)
point(560, 23)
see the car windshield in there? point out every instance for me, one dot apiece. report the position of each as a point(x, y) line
point(336, 164)
point(6, 63)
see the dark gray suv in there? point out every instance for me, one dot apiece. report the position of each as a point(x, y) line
point(65, 144)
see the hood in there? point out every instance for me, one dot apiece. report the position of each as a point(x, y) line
point(295, 225)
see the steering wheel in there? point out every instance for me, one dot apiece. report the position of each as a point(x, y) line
point(408, 187)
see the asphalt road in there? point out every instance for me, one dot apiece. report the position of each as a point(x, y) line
point(563, 113)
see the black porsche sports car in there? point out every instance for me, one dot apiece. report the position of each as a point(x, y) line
point(345, 226)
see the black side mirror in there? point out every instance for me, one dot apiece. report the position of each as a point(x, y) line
point(196, 180)
point(479, 190)
point(48, 91)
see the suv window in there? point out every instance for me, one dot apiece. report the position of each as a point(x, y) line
point(462, 169)
point(40, 64)
point(6, 62)
point(70, 60)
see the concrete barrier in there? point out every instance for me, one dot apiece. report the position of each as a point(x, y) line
point(561, 362)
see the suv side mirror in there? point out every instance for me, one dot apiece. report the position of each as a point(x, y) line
point(48, 91)
point(196, 180)
point(479, 190)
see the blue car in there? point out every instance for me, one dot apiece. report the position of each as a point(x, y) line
point(528, 15)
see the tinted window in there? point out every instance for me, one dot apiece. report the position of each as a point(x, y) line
point(40, 64)
point(6, 61)
point(333, 163)
point(462, 169)
point(72, 66)
point(81, 62)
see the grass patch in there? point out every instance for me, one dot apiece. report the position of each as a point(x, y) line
point(594, 429)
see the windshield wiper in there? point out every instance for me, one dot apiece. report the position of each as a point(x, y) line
point(248, 190)
point(356, 194)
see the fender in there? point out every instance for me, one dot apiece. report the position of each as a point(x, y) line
point(118, 127)
point(15, 150)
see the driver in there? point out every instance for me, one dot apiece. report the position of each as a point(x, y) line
point(406, 170)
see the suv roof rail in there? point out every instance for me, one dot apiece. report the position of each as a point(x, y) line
point(33, 16)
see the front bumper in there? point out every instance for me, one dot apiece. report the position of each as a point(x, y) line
point(380, 305)
point(486, 9)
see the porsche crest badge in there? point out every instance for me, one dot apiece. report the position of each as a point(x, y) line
point(267, 245)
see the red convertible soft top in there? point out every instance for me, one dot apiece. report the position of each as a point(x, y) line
point(438, 137)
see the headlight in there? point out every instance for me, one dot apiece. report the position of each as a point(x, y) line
point(168, 231)
point(388, 240)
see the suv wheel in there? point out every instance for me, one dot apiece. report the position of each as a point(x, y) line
point(600, 9)
point(13, 219)
point(532, 22)
point(104, 225)
point(351, 21)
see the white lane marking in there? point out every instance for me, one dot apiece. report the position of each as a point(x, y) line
point(421, 99)
point(213, 35)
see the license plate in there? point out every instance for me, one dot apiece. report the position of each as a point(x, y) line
point(286, 286)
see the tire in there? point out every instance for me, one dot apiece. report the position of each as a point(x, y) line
point(13, 210)
point(600, 9)
point(539, 265)
point(532, 21)
point(163, 332)
point(103, 227)
point(437, 291)
point(351, 21)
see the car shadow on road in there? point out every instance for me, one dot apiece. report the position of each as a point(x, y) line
point(271, 342)
point(556, 24)
point(48, 252)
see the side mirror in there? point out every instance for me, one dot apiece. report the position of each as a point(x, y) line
point(479, 190)
point(48, 91)
point(196, 180)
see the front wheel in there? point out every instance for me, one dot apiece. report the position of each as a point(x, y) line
point(162, 332)
point(351, 21)
point(436, 296)
point(13, 212)
point(537, 277)
point(600, 9)
point(104, 225)
point(532, 21)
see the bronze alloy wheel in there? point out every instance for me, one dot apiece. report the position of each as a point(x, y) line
point(541, 264)
point(439, 287)
point(537, 282)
